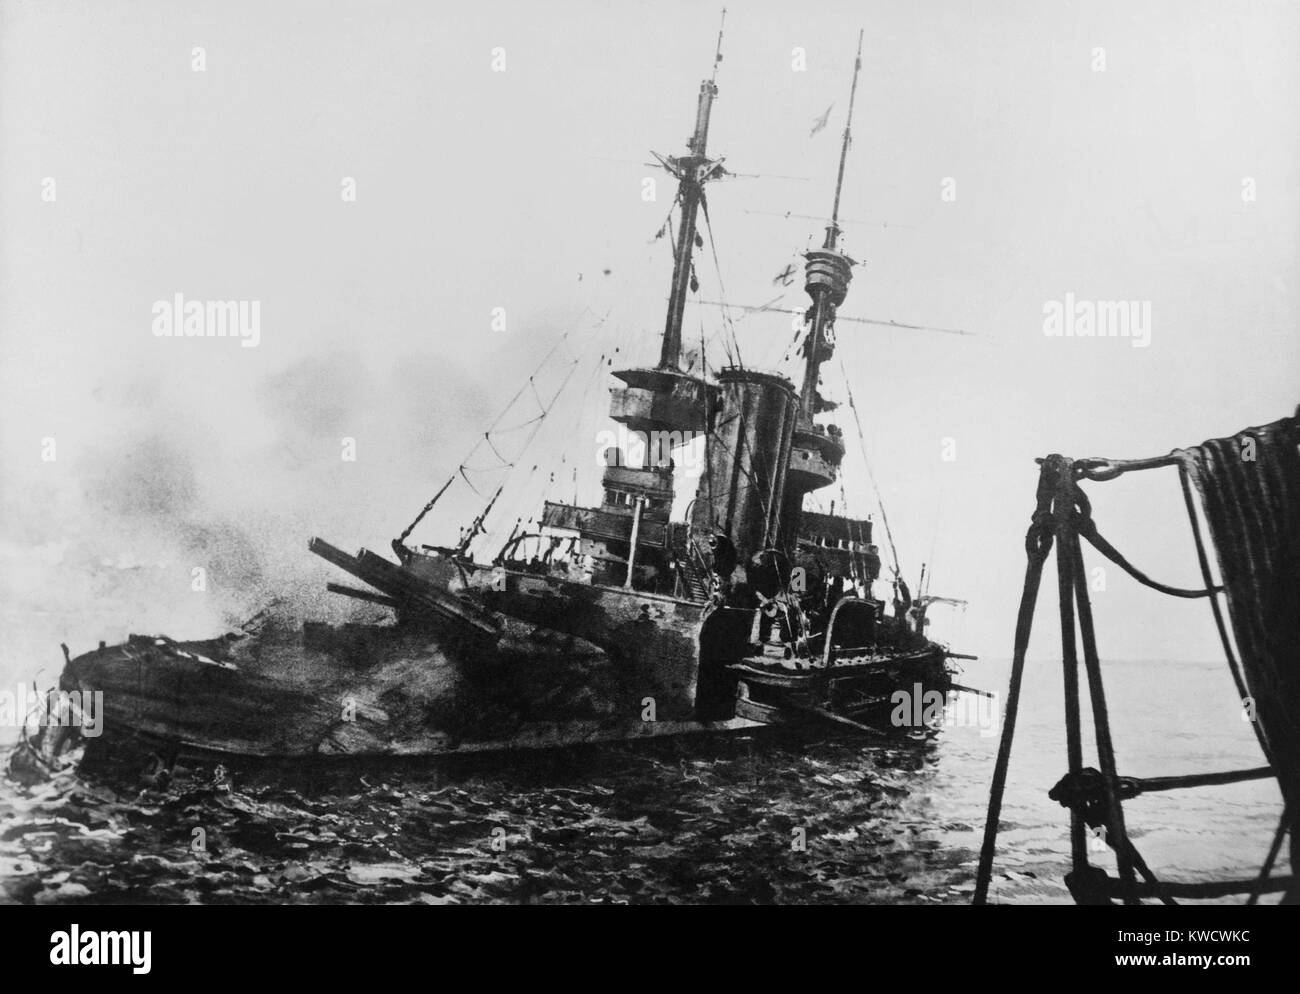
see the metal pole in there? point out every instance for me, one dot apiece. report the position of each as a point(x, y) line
point(833, 231)
point(692, 171)
point(636, 532)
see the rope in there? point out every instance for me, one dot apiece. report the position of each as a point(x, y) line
point(427, 508)
point(1283, 825)
point(488, 439)
point(491, 428)
point(1203, 560)
point(1249, 486)
point(862, 445)
point(1060, 505)
point(1088, 529)
point(525, 499)
point(546, 410)
point(468, 481)
point(708, 420)
point(1038, 543)
point(1252, 506)
point(722, 292)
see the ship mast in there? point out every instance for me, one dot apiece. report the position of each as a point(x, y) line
point(816, 451)
point(663, 404)
point(692, 172)
point(663, 397)
point(828, 273)
point(833, 229)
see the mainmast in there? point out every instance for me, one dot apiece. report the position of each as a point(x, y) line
point(816, 450)
point(828, 272)
point(692, 172)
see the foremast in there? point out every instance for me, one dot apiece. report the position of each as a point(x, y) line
point(691, 171)
point(664, 398)
point(664, 405)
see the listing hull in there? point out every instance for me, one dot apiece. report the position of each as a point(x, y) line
point(565, 663)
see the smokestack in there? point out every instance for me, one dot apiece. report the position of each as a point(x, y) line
point(742, 492)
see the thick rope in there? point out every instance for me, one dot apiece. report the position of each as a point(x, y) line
point(1089, 531)
point(1038, 543)
point(1249, 486)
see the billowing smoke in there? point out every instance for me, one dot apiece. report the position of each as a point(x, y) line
point(168, 510)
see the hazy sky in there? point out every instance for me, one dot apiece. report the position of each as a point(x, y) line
point(478, 189)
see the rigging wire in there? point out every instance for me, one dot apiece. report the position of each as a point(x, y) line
point(899, 325)
point(488, 439)
point(704, 374)
point(884, 517)
point(934, 544)
point(517, 427)
point(722, 292)
point(461, 471)
point(525, 498)
point(568, 376)
point(492, 428)
point(585, 412)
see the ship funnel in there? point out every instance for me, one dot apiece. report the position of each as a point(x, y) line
point(742, 491)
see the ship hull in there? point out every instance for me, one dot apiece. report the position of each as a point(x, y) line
point(189, 701)
point(370, 691)
point(490, 660)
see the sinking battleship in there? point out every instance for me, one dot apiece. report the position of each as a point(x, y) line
point(750, 612)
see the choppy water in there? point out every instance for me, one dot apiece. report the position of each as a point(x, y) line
point(690, 821)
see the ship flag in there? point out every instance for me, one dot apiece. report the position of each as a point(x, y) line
point(821, 122)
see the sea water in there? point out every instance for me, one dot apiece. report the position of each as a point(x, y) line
point(818, 819)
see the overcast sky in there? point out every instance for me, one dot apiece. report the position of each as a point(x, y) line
point(1114, 176)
